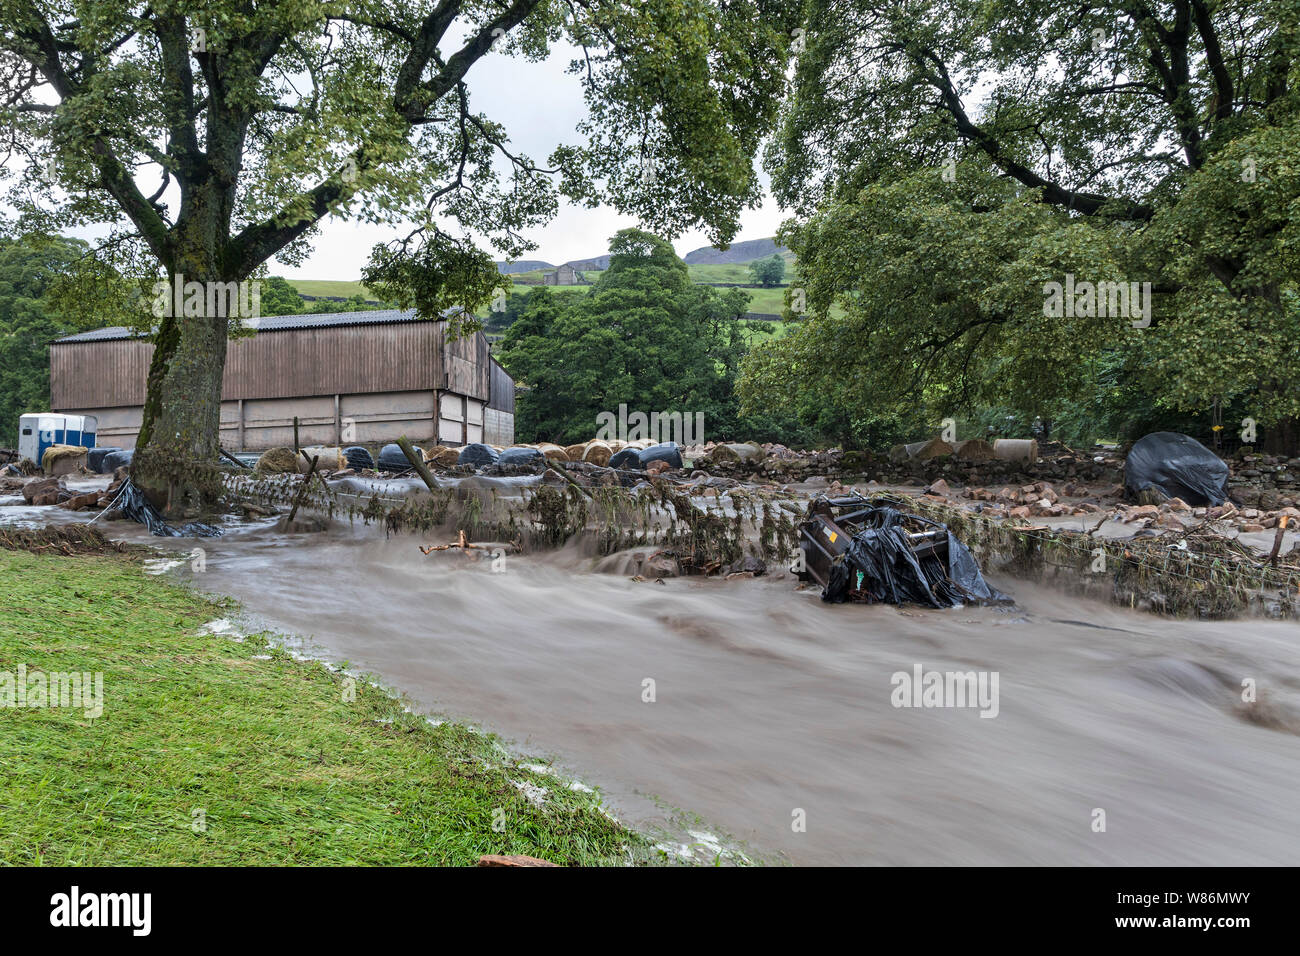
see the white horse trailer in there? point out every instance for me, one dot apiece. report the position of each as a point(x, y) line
point(39, 431)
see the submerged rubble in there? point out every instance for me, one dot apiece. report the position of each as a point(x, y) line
point(734, 509)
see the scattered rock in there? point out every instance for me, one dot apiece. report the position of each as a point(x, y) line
point(40, 488)
point(77, 502)
point(660, 565)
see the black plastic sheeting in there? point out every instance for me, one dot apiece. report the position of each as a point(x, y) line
point(521, 456)
point(95, 459)
point(639, 458)
point(360, 458)
point(133, 504)
point(881, 564)
point(1178, 466)
point(478, 454)
point(116, 459)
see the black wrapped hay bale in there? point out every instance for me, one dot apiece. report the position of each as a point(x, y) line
point(639, 458)
point(477, 455)
point(391, 458)
point(360, 458)
point(95, 458)
point(115, 459)
point(521, 456)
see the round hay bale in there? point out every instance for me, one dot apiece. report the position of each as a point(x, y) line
point(331, 458)
point(934, 448)
point(277, 461)
point(62, 459)
point(575, 452)
point(553, 452)
point(442, 456)
point(615, 445)
point(598, 453)
point(1016, 449)
point(974, 449)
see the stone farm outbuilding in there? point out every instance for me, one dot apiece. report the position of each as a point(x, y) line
point(350, 378)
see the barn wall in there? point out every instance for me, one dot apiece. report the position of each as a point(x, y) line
point(330, 360)
point(373, 382)
point(501, 388)
point(498, 427)
point(268, 422)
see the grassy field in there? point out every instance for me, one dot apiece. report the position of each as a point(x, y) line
point(215, 752)
point(727, 272)
point(330, 287)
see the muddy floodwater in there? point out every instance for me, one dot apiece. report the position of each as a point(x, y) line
point(772, 708)
point(768, 703)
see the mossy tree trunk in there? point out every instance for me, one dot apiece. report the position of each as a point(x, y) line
point(180, 434)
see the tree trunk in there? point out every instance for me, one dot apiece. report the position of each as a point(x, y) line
point(177, 451)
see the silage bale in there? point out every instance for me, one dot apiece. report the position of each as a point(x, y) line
point(279, 460)
point(359, 458)
point(478, 454)
point(1016, 449)
point(95, 458)
point(522, 455)
point(62, 459)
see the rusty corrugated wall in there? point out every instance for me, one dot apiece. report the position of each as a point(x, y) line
point(329, 360)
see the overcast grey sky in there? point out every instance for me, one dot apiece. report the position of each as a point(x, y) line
point(539, 104)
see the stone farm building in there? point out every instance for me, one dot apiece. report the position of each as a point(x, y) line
point(350, 377)
point(564, 275)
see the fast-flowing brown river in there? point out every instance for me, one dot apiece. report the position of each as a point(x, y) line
point(768, 702)
point(771, 707)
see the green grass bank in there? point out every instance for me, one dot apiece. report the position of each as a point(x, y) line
point(211, 751)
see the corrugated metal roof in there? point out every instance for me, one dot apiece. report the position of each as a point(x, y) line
point(272, 323)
